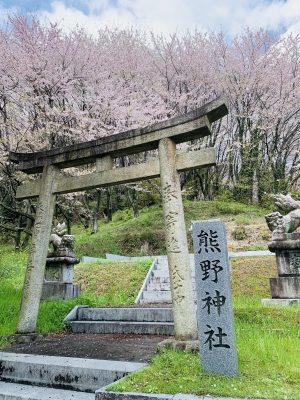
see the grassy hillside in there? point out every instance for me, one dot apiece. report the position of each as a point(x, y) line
point(102, 283)
point(118, 283)
point(246, 229)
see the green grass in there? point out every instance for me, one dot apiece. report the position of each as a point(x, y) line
point(268, 355)
point(268, 339)
point(12, 269)
point(124, 235)
point(268, 345)
point(145, 235)
point(103, 284)
point(229, 210)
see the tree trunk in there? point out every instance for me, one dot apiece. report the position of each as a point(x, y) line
point(109, 204)
point(133, 197)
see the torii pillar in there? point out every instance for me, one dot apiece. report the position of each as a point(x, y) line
point(162, 136)
point(176, 242)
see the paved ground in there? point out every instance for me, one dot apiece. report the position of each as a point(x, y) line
point(135, 348)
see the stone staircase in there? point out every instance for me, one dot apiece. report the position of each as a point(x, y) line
point(16, 391)
point(148, 321)
point(35, 377)
point(152, 315)
point(156, 288)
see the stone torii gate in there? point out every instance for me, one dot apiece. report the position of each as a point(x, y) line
point(162, 136)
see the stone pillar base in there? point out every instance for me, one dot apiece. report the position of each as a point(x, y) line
point(63, 273)
point(57, 291)
point(287, 287)
point(288, 262)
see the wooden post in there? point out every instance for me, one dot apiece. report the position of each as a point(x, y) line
point(38, 253)
point(184, 310)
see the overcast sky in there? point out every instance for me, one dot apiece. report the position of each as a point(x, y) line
point(165, 16)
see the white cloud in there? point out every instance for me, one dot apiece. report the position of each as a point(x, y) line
point(276, 15)
point(167, 16)
point(4, 12)
point(67, 16)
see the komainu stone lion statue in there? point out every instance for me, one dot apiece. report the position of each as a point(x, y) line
point(56, 236)
point(280, 224)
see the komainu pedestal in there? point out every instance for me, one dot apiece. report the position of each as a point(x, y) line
point(287, 251)
point(59, 271)
point(286, 246)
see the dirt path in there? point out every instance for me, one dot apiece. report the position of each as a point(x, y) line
point(135, 348)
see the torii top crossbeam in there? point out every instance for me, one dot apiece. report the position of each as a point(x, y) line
point(162, 136)
point(190, 126)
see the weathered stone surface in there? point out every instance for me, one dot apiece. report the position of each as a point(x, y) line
point(176, 242)
point(184, 345)
point(285, 287)
point(28, 338)
point(284, 224)
point(288, 244)
point(87, 375)
point(214, 302)
point(38, 253)
point(192, 125)
point(287, 250)
point(62, 260)
point(15, 391)
point(132, 314)
point(101, 395)
point(133, 173)
point(288, 262)
point(280, 302)
point(58, 290)
point(123, 327)
point(63, 273)
point(105, 163)
point(60, 263)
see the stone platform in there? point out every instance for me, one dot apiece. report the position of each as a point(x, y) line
point(280, 302)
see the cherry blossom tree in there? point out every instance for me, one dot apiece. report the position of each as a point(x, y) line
point(259, 73)
point(59, 88)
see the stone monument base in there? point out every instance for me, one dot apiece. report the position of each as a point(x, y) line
point(287, 287)
point(58, 290)
point(280, 302)
point(184, 345)
point(61, 272)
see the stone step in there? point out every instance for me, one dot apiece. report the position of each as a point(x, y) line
point(154, 286)
point(159, 279)
point(157, 296)
point(162, 267)
point(162, 302)
point(138, 328)
point(162, 260)
point(126, 314)
point(15, 391)
point(68, 373)
point(160, 273)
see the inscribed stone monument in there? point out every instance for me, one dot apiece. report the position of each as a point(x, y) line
point(214, 301)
